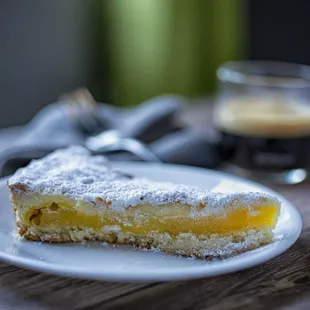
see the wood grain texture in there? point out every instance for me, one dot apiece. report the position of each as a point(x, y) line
point(283, 283)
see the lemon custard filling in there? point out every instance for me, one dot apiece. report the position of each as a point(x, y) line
point(143, 220)
point(72, 196)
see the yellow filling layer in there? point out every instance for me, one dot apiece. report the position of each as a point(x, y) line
point(145, 218)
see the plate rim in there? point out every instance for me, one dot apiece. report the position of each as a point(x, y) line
point(191, 272)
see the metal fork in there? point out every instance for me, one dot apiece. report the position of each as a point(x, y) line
point(82, 109)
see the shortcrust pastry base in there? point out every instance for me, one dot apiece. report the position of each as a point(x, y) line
point(206, 247)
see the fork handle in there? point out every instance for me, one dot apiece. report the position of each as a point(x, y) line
point(140, 150)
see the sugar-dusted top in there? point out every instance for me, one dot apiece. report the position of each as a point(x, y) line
point(75, 173)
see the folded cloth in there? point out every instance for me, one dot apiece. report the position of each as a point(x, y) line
point(152, 122)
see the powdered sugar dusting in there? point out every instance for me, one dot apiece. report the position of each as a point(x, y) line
point(74, 173)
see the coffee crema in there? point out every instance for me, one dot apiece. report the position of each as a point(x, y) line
point(272, 117)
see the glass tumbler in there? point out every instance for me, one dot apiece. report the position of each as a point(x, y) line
point(262, 115)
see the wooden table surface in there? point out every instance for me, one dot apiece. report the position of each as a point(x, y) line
point(283, 283)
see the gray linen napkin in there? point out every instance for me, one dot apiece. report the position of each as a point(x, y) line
point(152, 122)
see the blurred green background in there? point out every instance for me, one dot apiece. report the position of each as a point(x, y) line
point(168, 46)
point(126, 51)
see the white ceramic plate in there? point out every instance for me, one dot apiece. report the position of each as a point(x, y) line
point(125, 263)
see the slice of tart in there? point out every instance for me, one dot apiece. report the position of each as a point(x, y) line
point(71, 196)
